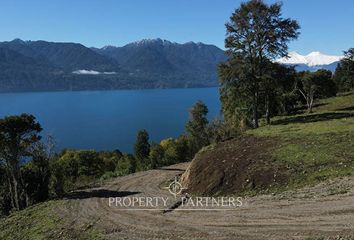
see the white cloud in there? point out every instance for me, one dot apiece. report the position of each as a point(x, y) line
point(91, 72)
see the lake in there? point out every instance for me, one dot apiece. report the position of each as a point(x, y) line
point(108, 120)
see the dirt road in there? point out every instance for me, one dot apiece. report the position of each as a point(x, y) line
point(326, 210)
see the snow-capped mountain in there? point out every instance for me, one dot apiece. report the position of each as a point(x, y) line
point(312, 61)
point(149, 41)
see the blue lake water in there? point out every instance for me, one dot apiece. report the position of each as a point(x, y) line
point(107, 120)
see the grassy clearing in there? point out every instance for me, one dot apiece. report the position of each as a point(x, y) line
point(318, 146)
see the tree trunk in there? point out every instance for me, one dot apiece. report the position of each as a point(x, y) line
point(18, 188)
point(310, 105)
point(255, 110)
point(11, 191)
point(267, 110)
point(24, 192)
point(309, 102)
point(310, 109)
point(16, 193)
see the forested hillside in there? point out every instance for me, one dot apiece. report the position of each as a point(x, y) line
point(50, 66)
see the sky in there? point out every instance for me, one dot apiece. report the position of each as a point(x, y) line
point(326, 25)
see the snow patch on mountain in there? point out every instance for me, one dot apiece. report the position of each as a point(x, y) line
point(148, 41)
point(312, 59)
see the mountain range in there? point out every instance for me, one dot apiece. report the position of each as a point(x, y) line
point(149, 63)
point(311, 62)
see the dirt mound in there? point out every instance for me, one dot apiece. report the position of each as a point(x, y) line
point(235, 166)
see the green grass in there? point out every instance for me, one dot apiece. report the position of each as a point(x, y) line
point(43, 221)
point(318, 146)
point(36, 222)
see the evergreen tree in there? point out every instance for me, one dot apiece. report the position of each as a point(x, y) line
point(36, 174)
point(256, 34)
point(344, 74)
point(277, 89)
point(156, 155)
point(142, 148)
point(132, 163)
point(197, 126)
point(18, 136)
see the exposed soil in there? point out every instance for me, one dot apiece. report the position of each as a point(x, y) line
point(326, 210)
point(234, 166)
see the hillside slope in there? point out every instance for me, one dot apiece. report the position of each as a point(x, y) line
point(20, 72)
point(294, 151)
